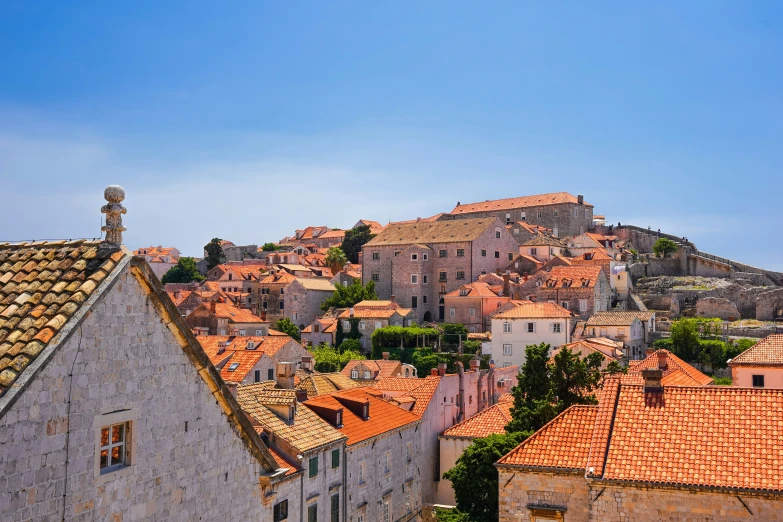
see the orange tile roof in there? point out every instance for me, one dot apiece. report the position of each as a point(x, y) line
point(574, 275)
point(449, 231)
point(563, 443)
point(283, 461)
point(490, 421)
point(269, 345)
point(316, 384)
point(280, 278)
point(475, 289)
point(398, 384)
point(384, 417)
point(327, 325)
point(614, 318)
point(531, 310)
point(183, 294)
point(767, 351)
point(382, 368)
point(244, 360)
point(610, 352)
point(43, 285)
point(554, 198)
point(677, 371)
point(234, 314)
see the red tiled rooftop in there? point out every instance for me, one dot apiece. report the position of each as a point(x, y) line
point(554, 198)
point(677, 371)
point(490, 421)
point(767, 351)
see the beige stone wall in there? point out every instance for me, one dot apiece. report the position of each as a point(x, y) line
point(519, 490)
point(188, 463)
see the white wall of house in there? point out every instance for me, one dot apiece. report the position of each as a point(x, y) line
point(508, 347)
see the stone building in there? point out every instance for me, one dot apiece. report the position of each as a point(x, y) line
point(238, 281)
point(564, 214)
point(609, 350)
point(249, 359)
point(320, 331)
point(304, 297)
point(420, 262)
point(381, 454)
point(372, 315)
point(271, 294)
point(769, 305)
point(161, 259)
point(543, 248)
point(625, 327)
point(761, 365)
point(362, 371)
point(215, 318)
point(651, 452)
point(582, 289)
point(472, 304)
point(109, 408)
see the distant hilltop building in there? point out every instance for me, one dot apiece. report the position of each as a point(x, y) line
point(563, 213)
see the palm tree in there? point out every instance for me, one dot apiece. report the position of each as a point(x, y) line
point(335, 259)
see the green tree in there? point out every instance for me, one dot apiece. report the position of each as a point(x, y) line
point(269, 247)
point(351, 345)
point(329, 358)
point(533, 397)
point(214, 253)
point(453, 332)
point(664, 247)
point(184, 271)
point(353, 241)
point(286, 326)
point(451, 515)
point(335, 259)
point(575, 380)
point(347, 296)
point(475, 478)
point(685, 339)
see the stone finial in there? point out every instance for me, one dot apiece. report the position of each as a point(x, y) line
point(114, 194)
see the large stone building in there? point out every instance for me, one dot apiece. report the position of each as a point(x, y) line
point(371, 315)
point(472, 304)
point(420, 262)
point(109, 408)
point(161, 259)
point(304, 297)
point(761, 365)
point(651, 452)
point(584, 290)
point(564, 214)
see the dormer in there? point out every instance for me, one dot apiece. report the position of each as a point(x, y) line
point(550, 283)
point(464, 291)
point(360, 408)
point(332, 415)
point(585, 282)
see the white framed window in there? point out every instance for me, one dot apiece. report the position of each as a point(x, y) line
point(387, 509)
point(361, 472)
point(531, 327)
point(347, 326)
point(114, 444)
point(564, 304)
point(533, 251)
point(540, 214)
point(506, 327)
point(414, 279)
point(378, 324)
point(556, 327)
point(556, 213)
point(522, 215)
point(375, 276)
point(354, 374)
point(387, 462)
point(621, 331)
point(472, 312)
point(361, 325)
point(452, 312)
point(497, 233)
point(425, 257)
point(507, 349)
point(414, 257)
point(506, 364)
point(367, 374)
point(583, 305)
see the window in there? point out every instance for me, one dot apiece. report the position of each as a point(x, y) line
point(313, 467)
point(497, 254)
point(376, 256)
point(443, 253)
point(414, 279)
point(472, 312)
point(264, 291)
point(506, 327)
point(387, 462)
point(442, 276)
point(312, 513)
point(282, 303)
point(414, 301)
point(533, 251)
point(376, 276)
point(510, 256)
point(556, 213)
point(507, 349)
point(335, 458)
point(386, 510)
point(367, 374)
point(583, 305)
point(361, 325)
point(452, 312)
point(508, 218)
point(424, 299)
point(264, 305)
point(603, 332)
point(378, 324)
point(497, 233)
point(425, 257)
point(360, 474)
point(414, 257)
point(282, 291)
point(556, 327)
point(483, 252)
point(424, 280)
point(233, 367)
point(347, 326)
point(522, 215)
point(758, 381)
point(506, 364)
point(460, 252)
point(564, 304)
point(354, 374)
point(531, 327)
point(408, 452)
point(281, 511)
point(336, 508)
point(540, 214)
point(576, 212)
point(257, 376)
point(621, 332)
point(270, 374)
point(397, 252)
point(460, 274)
point(114, 451)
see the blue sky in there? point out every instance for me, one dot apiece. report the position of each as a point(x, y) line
point(247, 120)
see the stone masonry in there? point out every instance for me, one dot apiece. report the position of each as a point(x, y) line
point(188, 463)
point(717, 307)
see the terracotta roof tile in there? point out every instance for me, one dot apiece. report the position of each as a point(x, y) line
point(381, 368)
point(490, 421)
point(269, 345)
point(475, 289)
point(573, 276)
point(432, 232)
point(677, 371)
point(616, 318)
point(234, 314)
point(42, 285)
point(538, 200)
point(529, 309)
point(767, 351)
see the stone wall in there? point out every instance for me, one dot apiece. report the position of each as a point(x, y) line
point(717, 307)
point(519, 491)
point(769, 305)
point(188, 463)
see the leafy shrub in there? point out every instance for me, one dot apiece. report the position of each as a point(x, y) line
point(722, 381)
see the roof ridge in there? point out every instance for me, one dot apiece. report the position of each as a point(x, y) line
point(602, 429)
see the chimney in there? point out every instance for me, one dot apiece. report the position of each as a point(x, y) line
point(580, 199)
point(359, 258)
point(232, 387)
point(285, 375)
point(393, 299)
point(663, 360)
point(301, 395)
point(652, 380)
point(475, 365)
point(385, 356)
point(307, 363)
point(434, 371)
point(212, 307)
point(441, 369)
point(506, 284)
point(114, 195)
point(177, 294)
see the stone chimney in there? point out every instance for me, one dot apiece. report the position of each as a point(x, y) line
point(434, 371)
point(285, 375)
point(359, 258)
point(652, 380)
point(580, 199)
point(307, 363)
point(663, 360)
point(441, 369)
point(114, 195)
point(385, 356)
point(393, 299)
point(506, 284)
point(475, 365)
point(212, 307)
